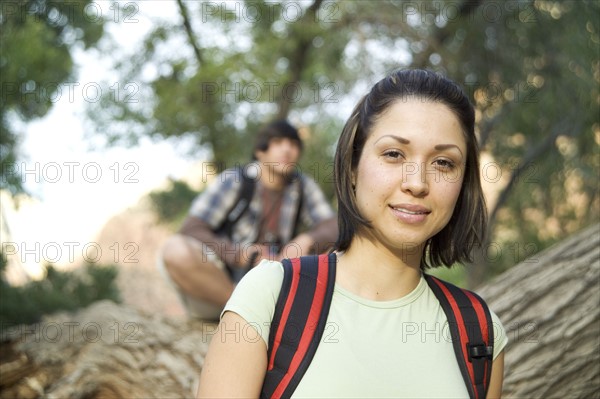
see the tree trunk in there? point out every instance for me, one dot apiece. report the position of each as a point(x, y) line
point(103, 351)
point(548, 305)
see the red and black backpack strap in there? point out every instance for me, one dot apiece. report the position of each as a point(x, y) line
point(298, 322)
point(472, 333)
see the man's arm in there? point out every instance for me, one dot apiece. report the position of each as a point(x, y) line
point(319, 239)
point(321, 221)
point(209, 210)
point(231, 253)
point(320, 217)
point(324, 234)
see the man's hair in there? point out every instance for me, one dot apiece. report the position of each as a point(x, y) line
point(275, 129)
point(467, 225)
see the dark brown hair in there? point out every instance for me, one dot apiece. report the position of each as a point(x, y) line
point(275, 129)
point(467, 225)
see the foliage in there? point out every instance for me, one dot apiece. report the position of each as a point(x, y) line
point(36, 41)
point(221, 96)
point(531, 59)
point(58, 291)
point(171, 204)
point(456, 274)
point(531, 68)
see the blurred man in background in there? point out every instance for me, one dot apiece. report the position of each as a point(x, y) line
point(263, 210)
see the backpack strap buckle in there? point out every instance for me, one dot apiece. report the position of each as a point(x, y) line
point(478, 351)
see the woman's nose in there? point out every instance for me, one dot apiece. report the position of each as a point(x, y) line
point(414, 179)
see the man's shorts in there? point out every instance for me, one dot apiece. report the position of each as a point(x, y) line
point(195, 308)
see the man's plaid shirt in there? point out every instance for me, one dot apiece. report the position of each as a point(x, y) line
point(212, 205)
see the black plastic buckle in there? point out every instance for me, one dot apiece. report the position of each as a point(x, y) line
point(480, 351)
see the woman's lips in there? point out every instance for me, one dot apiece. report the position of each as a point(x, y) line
point(410, 213)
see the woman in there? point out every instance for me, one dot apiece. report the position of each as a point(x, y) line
point(407, 180)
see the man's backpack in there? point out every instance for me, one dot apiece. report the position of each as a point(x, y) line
point(299, 322)
point(241, 204)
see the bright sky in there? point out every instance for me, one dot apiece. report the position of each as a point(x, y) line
point(77, 189)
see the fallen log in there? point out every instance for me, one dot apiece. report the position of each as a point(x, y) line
point(549, 305)
point(103, 351)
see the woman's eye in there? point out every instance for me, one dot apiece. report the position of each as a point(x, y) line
point(393, 154)
point(445, 164)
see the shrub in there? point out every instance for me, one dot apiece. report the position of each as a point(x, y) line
point(57, 291)
point(172, 204)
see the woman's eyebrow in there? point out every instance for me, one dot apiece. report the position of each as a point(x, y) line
point(397, 138)
point(442, 147)
point(438, 147)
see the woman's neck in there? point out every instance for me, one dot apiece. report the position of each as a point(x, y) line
point(371, 271)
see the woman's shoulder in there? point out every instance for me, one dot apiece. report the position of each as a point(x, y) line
point(255, 296)
point(267, 271)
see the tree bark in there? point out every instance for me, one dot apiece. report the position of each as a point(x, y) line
point(548, 305)
point(103, 351)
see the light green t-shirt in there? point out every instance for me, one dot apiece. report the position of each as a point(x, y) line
point(384, 349)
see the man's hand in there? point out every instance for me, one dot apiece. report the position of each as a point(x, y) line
point(252, 255)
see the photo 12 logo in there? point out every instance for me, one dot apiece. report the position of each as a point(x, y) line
point(255, 12)
point(70, 251)
point(53, 92)
point(322, 172)
point(493, 12)
point(253, 92)
point(71, 332)
point(71, 172)
point(57, 12)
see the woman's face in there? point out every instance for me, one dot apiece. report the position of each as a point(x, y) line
point(410, 173)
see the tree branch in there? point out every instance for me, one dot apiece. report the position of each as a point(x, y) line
point(298, 60)
point(478, 273)
point(441, 35)
point(189, 31)
point(530, 156)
